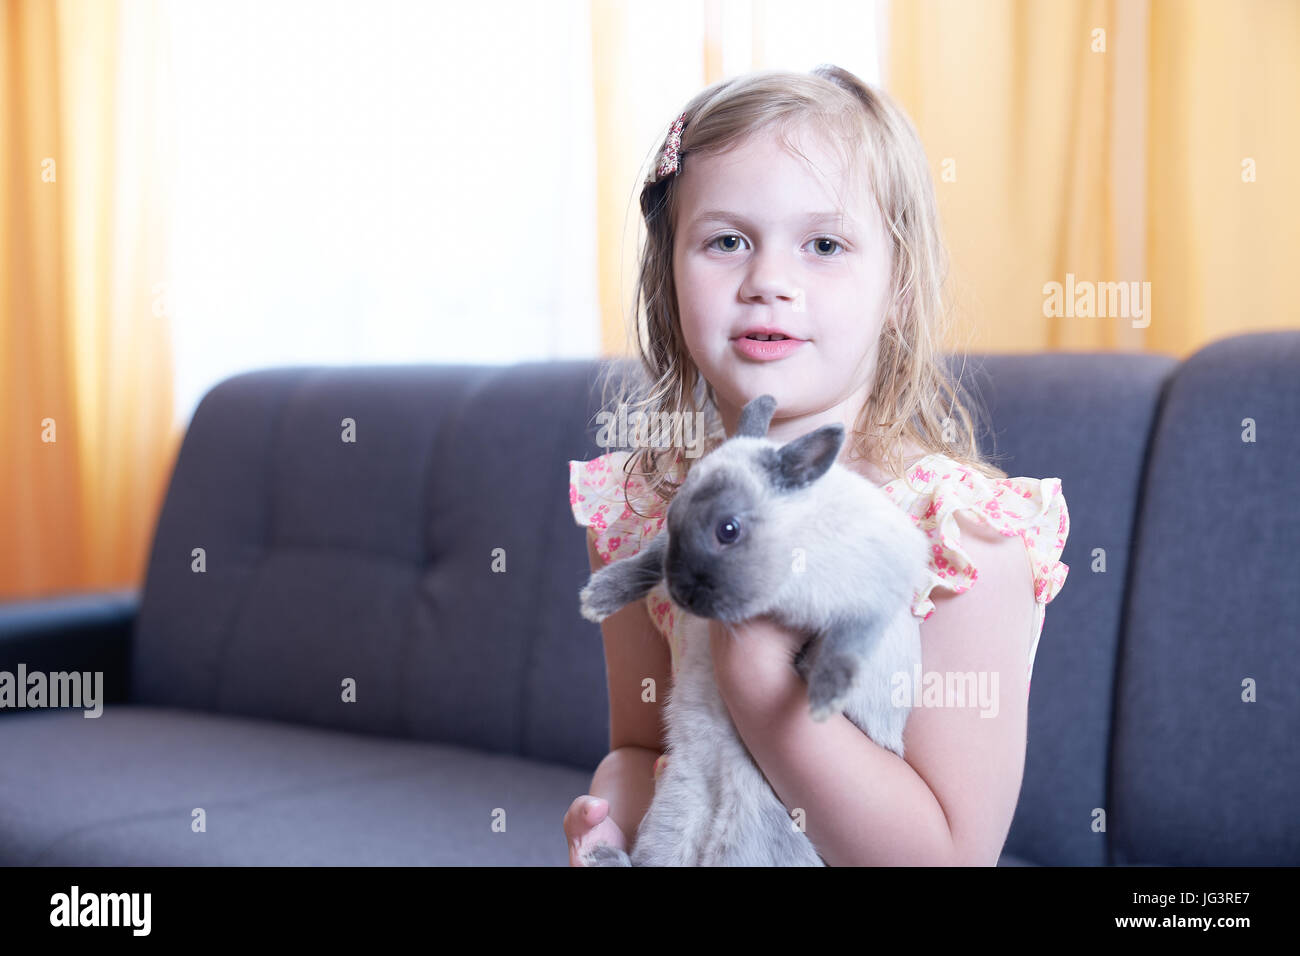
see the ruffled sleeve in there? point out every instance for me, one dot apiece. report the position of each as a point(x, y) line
point(596, 495)
point(1032, 508)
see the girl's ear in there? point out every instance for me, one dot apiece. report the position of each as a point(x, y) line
point(807, 458)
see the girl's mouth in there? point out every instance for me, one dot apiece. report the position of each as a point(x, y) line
point(766, 348)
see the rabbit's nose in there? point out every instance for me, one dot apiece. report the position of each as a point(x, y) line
point(691, 590)
point(682, 587)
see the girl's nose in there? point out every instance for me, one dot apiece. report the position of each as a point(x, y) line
point(770, 279)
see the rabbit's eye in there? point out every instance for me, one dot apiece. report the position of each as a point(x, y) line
point(728, 530)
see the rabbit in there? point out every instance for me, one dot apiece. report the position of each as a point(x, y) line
point(759, 528)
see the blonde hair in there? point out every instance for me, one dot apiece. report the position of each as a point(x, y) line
point(913, 398)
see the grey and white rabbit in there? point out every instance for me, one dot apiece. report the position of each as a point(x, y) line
point(759, 528)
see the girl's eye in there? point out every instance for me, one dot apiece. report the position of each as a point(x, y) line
point(833, 242)
point(727, 236)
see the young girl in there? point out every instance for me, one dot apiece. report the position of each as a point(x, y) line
point(793, 249)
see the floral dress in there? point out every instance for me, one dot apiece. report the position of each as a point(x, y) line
point(1032, 508)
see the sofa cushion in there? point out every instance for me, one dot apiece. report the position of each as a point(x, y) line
point(120, 789)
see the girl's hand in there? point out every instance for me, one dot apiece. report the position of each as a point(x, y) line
point(755, 657)
point(586, 825)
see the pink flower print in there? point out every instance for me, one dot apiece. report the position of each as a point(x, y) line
point(574, 497)
point(931, 511)
point(598, 521)
point(920, 474)
point(614, 543)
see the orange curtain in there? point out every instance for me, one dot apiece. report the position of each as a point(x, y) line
point(1113, 141)
point(647, 60)
point(85, 385)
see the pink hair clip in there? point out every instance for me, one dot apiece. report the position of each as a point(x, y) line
point(670, 162)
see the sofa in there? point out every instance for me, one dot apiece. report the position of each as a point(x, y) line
point(358, 640)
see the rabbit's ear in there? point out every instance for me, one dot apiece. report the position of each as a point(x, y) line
point(756, 416)
point(806, 458)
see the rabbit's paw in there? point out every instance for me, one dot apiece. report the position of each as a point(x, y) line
point(602, 854)
point(830, 679)
point(599, 600)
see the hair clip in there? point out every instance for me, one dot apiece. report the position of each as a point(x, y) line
point(671, 161)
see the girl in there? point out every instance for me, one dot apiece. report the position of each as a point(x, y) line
point(793, 248)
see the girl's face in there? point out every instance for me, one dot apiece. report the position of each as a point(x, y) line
point(760, 243)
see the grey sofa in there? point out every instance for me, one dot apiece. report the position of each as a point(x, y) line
point(480, 704)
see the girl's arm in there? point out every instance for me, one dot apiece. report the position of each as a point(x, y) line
point(634, 650)
point(950, 802)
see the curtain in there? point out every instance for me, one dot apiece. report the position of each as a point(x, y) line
point(413, 183)
point(647, 60)
point(1103, 142)
point(85, 392)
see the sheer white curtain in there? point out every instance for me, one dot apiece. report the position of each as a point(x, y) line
point(379, 182)
point(800, 34)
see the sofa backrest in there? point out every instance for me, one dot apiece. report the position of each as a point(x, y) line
point(372, 560)
point(1205, 765)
